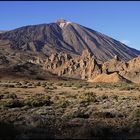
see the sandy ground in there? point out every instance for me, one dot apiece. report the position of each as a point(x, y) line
point(71, 90)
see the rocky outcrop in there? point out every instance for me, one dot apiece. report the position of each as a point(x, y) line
point(36, 60)
point(84, 67)
point(113, 65)
point(3, 60)
point(110, 78)
point(131, 70)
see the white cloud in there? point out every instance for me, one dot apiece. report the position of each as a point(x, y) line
point(126, 42)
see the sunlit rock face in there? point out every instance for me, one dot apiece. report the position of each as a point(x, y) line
point(84, 67)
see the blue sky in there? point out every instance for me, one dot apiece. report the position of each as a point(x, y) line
point(120, 20)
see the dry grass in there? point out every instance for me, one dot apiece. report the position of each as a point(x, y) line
point(71, 106)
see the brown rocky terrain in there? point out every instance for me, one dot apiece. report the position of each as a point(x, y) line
point(132, 70)
point(129, 70)
point(86, 67)
point(109, 78)
point(83, 67)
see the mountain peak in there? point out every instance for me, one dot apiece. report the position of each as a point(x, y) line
point(61, 20)
point(62, 23)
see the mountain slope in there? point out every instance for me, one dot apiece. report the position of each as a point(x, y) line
point(2, 31)
point(67, 37)
point(109, 78)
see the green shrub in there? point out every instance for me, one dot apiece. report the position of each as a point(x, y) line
point(43, 84)
point(38, 100)
point(50, 83)
point(60, 84)
point(18, 85)
point(105, 114)
point(11, 103)
point(1, 96)
point(12, 86)
point(38, 84)
point(76, 113)
point(114, 97)
point(78, 86)
point(88, 86)
point(136, 113)
point(10, 95)
point(88, 97)
point(68, 84)
point(62, 102)
point(135, 127)
point(130, 87)
point(50, 87)
point(104, 97)
point(63, 93)
point(24, 86)
point(29, 84)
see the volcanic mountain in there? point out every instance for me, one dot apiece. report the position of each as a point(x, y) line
point(64, 36)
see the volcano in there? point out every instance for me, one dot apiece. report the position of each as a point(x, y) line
point(65, 36)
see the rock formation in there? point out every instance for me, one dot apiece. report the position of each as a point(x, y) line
point(84, 67)
point(109, 78)
point(113, 65)
point(131, 70)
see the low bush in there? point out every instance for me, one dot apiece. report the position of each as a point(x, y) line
point(62, 102)
point(24, 86)
point(136, 113)
point(88, 97)
point(38, 100)
point(130, 87)
point(50, 87)
point(104, 97)
point(105, 114)
point(10, 95)
point(60, 84)
point(11, 103)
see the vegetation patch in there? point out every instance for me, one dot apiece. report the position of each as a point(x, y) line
point(61, 102)
point(38, 100)
point(88, 97)
point(11, 103)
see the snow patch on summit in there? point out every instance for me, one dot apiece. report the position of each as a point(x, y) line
point(62, 23)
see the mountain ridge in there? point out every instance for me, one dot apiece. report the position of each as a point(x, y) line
point(73, 38)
